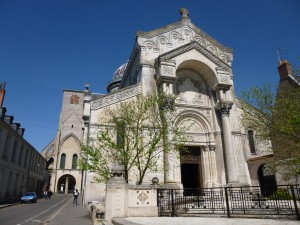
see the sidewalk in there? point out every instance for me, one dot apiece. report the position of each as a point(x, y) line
point(208, 220)
point(9, 203)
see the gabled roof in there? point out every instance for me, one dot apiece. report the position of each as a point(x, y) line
point(184, 21)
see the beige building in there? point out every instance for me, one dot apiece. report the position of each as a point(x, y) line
point(22, 167)
point(63, 152)
point(187, 63)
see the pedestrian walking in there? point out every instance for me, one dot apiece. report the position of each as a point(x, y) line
point(45, 194)
point(76, 193)
point(49, 193)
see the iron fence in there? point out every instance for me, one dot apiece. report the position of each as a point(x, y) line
point(230, 201)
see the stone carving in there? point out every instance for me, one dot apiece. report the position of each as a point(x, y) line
point(190, 88)
point(224, 78)
point(224, 109)
point(197, 99)
point(181, 99)
point(187, 84)
point(195, 45)
point(167, 70)
point(188, 34)
point(116, 97)
point(190, 158)
point(74, 99)
point(142, 197)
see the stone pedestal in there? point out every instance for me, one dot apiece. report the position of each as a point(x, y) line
point(116, 194)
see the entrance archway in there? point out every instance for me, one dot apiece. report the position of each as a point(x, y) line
point(267, 180)
point(66, 184)
point(191, 177)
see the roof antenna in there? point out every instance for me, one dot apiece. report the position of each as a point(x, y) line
point(279, 50)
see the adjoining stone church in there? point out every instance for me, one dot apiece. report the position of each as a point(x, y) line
point(186, 62)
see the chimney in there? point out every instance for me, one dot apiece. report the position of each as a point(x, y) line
point(2, 93)
point(15, 126)
point(284, 69)
point(2, 112)
point(8, 119)
point(21, 131)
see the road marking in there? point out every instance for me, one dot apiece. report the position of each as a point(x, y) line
point(55, 214)
point(32, 218)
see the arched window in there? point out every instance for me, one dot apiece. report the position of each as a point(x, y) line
point(251, 141)
point(74, 162)
point(62, 161)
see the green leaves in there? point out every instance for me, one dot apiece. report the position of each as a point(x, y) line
point(276, 117)
point(135, 133)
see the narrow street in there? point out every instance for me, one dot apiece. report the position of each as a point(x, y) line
point(44, 212)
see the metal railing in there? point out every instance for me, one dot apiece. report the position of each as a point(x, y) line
point(230, 201)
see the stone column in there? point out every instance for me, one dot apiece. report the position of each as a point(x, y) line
point(67, 185)
point(213, 167)
point(165, 80)
point(224, 110)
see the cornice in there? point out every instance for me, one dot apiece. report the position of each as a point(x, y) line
point(117, 96)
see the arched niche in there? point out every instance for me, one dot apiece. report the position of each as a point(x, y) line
point(204, 70)
point(190, 88)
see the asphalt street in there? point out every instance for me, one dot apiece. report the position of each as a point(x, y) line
point(56, 211)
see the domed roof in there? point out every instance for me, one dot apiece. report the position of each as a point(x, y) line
point(116, 79)
point(119, 73)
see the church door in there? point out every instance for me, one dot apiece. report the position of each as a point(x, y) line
point(191, 169)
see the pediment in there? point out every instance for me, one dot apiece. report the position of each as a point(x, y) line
point(179, 34)
point(194, 45)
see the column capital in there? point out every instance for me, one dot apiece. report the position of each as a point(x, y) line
point(224, 108)
point(212, 147)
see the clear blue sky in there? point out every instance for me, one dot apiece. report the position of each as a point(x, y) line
point(47, 46)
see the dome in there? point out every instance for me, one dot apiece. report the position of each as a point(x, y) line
point(116, 79)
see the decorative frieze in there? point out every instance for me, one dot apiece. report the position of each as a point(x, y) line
point(116, 97)
point(199, 48)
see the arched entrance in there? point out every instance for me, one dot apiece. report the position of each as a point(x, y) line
point(191, 175)
point(66, 184)
point(267, 180)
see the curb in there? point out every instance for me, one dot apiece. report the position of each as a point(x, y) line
point(8, 205)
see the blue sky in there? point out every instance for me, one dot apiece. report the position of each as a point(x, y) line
point(47, 46)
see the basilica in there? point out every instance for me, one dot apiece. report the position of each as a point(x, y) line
point(184, 62)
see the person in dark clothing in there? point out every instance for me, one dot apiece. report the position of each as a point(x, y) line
point(76, 193)
point(49, 193)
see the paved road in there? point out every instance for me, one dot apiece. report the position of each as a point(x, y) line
point(57, 211)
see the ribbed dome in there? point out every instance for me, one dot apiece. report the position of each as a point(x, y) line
point(116, 79)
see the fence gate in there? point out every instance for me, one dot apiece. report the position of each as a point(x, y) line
point(230, 201)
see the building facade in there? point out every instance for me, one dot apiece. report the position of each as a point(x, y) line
point(185, 62)
point(22, 167)
point(63, 152)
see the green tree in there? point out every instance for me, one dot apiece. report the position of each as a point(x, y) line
point(136, 133)
point(276, 117)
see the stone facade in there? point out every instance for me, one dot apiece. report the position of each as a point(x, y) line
point(63, 152)
point(22, 167)
point(187, 63)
